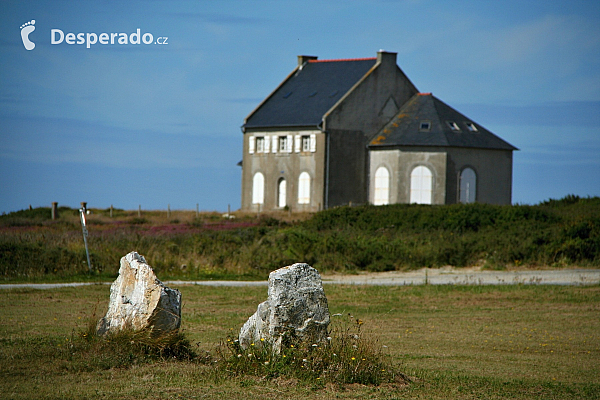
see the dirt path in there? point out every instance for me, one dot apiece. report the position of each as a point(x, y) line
point(442, 276)
point(452, 276)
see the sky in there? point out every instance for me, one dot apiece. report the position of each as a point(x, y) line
point(158, 125)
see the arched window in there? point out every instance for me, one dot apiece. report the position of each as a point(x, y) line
point(421, 185)
point(258, 188)
point(304, 188)
point(468, 186)
point(281, 193)
point(382, 187)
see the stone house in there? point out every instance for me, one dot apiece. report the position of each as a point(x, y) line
point(353, 131)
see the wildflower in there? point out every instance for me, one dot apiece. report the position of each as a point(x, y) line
point(266, 363)
point(329, 338)
point(239, 355)
point(359, 321)
point(291, 345)
point(262, 339)
point(353, 358)
point(335, 355)
point(250, 355)
point(252, 344)
point(304, 360)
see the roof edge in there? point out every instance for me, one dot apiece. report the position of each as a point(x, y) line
point(316, 127)
point(344, 59)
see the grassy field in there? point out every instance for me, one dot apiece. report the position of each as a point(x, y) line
point(456, 342)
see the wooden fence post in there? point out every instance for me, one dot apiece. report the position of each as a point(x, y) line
point(54, 210)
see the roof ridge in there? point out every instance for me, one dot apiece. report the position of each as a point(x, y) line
point(344, 59)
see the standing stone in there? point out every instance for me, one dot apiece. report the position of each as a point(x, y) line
point(296, 304)
point(138, 300)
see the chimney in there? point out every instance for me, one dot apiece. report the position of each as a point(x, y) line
point(385, 57)
point(305, 59)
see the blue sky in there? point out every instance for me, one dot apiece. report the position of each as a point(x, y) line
point(153, 125)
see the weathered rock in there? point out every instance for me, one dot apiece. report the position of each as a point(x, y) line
point(296, 304)
point(138, 300)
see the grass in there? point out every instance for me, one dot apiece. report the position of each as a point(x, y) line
point(554, 234)
point(454, 342)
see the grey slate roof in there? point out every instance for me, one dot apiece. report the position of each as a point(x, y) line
point(405, 128)
point(308, 93)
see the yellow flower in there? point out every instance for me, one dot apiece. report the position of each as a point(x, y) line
point(353, 358)
point(262, 339)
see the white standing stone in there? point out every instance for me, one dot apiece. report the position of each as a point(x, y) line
point(296, 303)
point(138, 300)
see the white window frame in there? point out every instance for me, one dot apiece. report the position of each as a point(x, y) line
point(258, 188)
point(305, 143)
point(471, 127)
point(467, 186)
point(421, 185)
point(260, 144)
point(381, 192)
point(453, 126)
point(282, 193)
point(282, 145)
point(304, 188)
point(274, 143)
point(251, 144)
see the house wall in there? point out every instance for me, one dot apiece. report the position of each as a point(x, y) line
point(346, 180)
point(350, 124)
point(400, 164)
point(363, 108)
point(493, 169)
point(283, 165)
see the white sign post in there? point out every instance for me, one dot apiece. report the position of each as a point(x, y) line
point(85, 234)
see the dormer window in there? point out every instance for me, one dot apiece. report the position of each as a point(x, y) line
point(471, 127)
point(453, 126)
point(425, 126)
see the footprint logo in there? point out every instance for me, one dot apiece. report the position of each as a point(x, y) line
point(26, 29)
